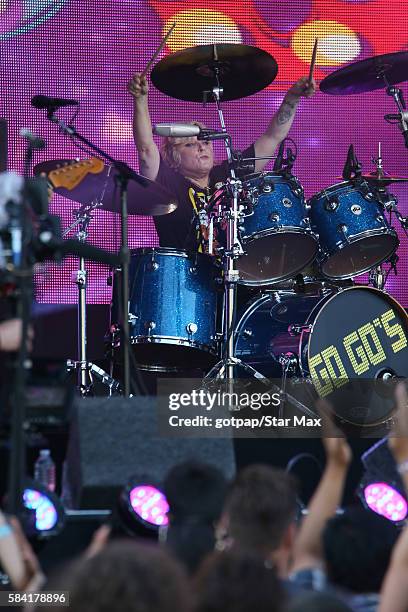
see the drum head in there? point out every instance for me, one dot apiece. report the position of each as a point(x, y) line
point(275, 256)
point(357, 347)
point(360, 255)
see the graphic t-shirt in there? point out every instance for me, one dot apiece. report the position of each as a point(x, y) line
point(186, 227)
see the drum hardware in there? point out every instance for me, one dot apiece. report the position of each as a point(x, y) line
point(331, 205)
point(290, 364)
point(377, 277)
point(82, 366)
point(296, 330)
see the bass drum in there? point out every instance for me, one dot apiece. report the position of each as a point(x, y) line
point(348, 343)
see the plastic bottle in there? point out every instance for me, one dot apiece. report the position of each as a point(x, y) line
point(44, 470)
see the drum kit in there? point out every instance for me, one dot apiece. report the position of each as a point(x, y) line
point(306, 318)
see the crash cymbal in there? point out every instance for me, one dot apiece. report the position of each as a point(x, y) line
point(88, 180)
point(243, 70)
point(367, 75)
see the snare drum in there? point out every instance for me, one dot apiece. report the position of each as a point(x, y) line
point(354, 234)
point(172, 309)
point(275, 231)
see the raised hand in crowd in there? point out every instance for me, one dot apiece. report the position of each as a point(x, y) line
point(394, 593)
point(308, 551)
point(17, 557)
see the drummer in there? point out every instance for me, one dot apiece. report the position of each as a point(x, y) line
point(185, 166)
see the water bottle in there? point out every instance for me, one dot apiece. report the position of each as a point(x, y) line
point(44, 470)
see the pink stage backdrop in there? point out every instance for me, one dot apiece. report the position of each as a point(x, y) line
point(88, 50)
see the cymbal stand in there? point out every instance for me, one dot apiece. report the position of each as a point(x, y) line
point(398, 97)
point(86, 370)
point(225, 368)
point(83, 217)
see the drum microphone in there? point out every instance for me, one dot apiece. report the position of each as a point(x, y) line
point(176, 130)
point(277, 165)
point(402, 119)
point(187, 130)
point(54, 103)
point(352, 167)
point(402, 116)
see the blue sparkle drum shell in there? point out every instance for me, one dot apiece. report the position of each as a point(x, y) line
point(173, 306)
point(275, 231)
point(354, 235)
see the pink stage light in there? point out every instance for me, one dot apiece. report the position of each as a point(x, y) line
point(149, 504)
point(383, 499)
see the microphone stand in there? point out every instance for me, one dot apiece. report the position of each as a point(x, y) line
point(124, 174)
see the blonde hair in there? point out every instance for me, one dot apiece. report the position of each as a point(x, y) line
point(168, 148)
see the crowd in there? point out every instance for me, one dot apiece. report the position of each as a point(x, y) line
point(241, 547)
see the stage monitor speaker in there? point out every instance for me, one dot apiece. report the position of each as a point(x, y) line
point(3, 145)
point(112, 439)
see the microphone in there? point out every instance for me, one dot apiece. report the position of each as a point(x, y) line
point(176, 130)
point(352, 167)
point(54, 103)
point(402, 116)
point(35, 141)
point(186, 130)
point(277, 165)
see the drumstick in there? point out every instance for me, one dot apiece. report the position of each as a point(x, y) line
point(313, 61)
point(156, 53)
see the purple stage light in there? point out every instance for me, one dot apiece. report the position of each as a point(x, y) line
point(149, 504)
point(46, 515)
point(383, 499)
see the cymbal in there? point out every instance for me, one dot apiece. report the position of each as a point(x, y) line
point(89, 180)
point(367, 75)
point(380, 180)
point(243, 70)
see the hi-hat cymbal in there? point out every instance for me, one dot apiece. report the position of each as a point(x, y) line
point(91, 180)
point(367, 75)
point(243, 70)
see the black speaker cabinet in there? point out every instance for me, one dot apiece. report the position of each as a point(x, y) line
point(113, 439)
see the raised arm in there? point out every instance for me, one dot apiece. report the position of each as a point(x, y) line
point(394, 591)
point(308, 551)
point(149, 157)
point(282, 121)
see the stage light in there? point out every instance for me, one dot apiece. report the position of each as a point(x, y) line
point(381, 489)
point(385, 500)
point(143, 504)
point(149, 504)
point(49, 512)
